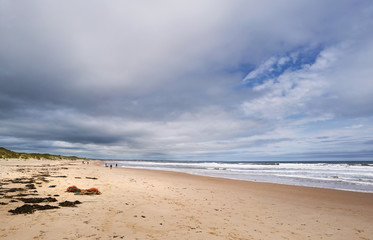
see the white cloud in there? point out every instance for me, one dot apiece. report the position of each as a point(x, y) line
point(338, 79)
point(355, 126)
point(292, 92)
point(282, 61)
point(266, 67)
point(142, 78)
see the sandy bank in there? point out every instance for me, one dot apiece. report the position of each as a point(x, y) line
point(144, 204)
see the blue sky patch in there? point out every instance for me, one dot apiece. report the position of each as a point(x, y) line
point(276, 66)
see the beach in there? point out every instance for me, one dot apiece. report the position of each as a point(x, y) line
point(149, 204)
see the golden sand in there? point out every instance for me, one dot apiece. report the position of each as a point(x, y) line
point(144, 204)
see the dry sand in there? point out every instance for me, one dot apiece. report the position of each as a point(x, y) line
point(144, 204)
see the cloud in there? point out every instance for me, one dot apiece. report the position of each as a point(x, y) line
point(291, 92)
point(184, 79)
point(266, 67)
point(338, 77)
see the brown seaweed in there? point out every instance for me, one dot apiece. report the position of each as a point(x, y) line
point(28, 209)
point(37, 200)
point(30, 186)
point(69, 204)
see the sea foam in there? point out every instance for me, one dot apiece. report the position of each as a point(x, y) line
point(350, 176)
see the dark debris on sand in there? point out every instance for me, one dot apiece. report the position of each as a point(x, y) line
point(31, 203)
point(37, 200)
point(8, 190)
point(69, 204)
point(30, 186)
point(42, 174)
point(41, 177)
point(94, 178)
point(28, 209)
point(25, 194)
point(22, 180)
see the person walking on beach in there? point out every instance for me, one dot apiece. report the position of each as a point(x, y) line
point(111, 166)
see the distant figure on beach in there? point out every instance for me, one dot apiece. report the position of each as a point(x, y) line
point(116, 165)
point(111, 166)
point(105, 164)
point(83, 162)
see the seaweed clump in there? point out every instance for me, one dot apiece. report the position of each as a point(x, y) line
point(69, 204)
point(38, 200)
point(30, 186)
point(14, 190)
point(28, 209)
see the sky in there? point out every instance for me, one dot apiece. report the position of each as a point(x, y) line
point(236, 80)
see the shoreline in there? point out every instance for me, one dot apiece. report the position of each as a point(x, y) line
point(152, 204)
point(243, 180)
point(101, 162)
point(252, 184)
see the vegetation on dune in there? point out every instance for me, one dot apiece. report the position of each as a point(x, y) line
point(5, 153)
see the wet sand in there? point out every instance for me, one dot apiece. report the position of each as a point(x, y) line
point(145, 204)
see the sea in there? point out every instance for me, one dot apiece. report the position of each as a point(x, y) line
point(350, 176)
